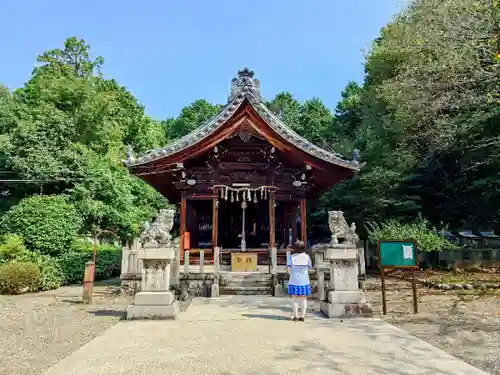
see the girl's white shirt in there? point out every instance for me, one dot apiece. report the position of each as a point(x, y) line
point(299, 265)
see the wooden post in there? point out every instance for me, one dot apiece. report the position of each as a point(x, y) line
point(272, 221)
point(294, 224)
point(88, 283)
point(286, 224)
point(182, 224)
point(215, 223)
point(414, 289)
point(303, 221)
point(382, 281)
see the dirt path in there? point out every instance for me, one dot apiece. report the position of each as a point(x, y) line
point(37, 330)
point(465, 324)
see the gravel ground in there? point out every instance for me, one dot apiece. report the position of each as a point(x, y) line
point(465, 324)
point(38, 330)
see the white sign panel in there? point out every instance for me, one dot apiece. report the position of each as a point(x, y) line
point(407, 252)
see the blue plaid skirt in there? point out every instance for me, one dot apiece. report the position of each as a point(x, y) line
point(299, 290)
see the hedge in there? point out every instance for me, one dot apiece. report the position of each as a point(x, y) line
point(108, 263)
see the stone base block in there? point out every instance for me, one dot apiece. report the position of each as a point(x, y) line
point(349, 253)
point(153, 312)
point(214, 292)
point(344, 310)
point(154, 298)
point(130, 287)
point(348, 296)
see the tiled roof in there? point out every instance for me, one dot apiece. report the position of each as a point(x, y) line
point(245, 86)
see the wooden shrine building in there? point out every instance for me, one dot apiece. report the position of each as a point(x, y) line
point(243, 178)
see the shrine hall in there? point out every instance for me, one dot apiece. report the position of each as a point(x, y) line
point(242, 179)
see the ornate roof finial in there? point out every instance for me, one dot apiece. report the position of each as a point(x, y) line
point(245, 81)
point(130, 154)
point(355, 157)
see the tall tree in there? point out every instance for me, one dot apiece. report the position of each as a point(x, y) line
point(190, 118)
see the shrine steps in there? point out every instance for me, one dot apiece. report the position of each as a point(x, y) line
point(245, 283)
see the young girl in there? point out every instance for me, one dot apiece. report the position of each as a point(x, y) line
point(299, 286)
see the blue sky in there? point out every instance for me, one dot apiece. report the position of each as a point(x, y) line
point(170, 53)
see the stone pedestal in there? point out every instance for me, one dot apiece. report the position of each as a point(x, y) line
point(155, 300)
point(344, 297)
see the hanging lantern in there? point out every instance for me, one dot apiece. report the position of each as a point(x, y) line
point(232, 196)
point(237, 196)
point(255, 200)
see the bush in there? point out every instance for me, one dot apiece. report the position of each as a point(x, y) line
point(51, 275)
point(80, 245)
point(18, 277)
point(48, 224)
point(108, 262)
point(427, 237)
point(12, 248)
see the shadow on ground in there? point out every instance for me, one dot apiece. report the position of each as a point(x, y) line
point(116, 313)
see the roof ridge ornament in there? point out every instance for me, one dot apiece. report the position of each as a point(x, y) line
point(245, 82)
point(355, 157)
point(130, 154)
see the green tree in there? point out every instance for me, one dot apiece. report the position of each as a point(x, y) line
point(190, 118)
point(68, 129)
point(287, 108)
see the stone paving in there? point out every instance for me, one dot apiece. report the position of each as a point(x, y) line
point(253, 335)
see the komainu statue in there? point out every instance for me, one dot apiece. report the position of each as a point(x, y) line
point(340, 229)
point(158, 233)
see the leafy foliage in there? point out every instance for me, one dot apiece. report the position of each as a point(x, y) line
point(108, 262)
point(190, 118)
point(18, 277)
point(47, 224)
point(50, 275)
point(428, 238)
point(426, 119)
point(11, 248)
point(68, 128)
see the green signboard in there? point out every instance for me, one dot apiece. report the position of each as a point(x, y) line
point(398, 254)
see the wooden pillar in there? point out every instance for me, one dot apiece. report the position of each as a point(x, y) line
point(294, 223)
point(272, 221)
point(288, 219)
point(192, 223)
point(303, 221)
point(182, 224)
point(215, 223)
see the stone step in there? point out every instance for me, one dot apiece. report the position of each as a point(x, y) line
point(253, 290)
point(255, 278)
point(243, 283)
point(246, 276)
